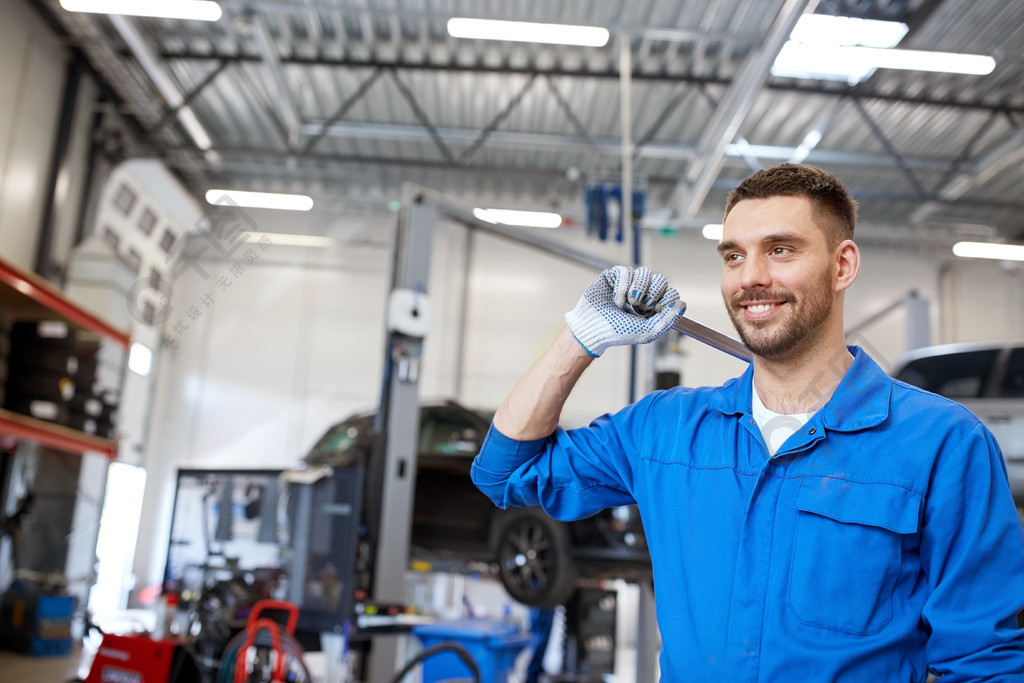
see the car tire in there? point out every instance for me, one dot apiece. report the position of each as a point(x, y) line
point(533, 558)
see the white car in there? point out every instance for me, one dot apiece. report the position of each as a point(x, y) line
point(988, 379)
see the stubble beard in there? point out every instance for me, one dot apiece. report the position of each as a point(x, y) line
point(777, 339)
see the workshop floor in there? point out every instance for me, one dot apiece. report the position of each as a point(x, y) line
point(16, 667)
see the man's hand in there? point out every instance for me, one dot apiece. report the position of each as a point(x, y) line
point(624, 306)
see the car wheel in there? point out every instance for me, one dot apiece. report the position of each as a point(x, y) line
point(533, 558)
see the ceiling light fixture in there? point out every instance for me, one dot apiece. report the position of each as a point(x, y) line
point(848, 49)
point(528, 32)
point(712, 231)
point(989, 250)
point(260, 200)
point(525, 219)
point(198, 10)
point(855, 61)
point(284, 239)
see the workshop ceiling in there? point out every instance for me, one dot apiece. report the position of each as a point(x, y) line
point(345, 100)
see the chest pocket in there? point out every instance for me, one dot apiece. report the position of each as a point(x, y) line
point(847, 552)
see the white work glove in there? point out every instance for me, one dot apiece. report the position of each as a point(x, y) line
point(624, 306)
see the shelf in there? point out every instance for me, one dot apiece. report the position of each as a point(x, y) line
point(26, 296)
point(54, 435)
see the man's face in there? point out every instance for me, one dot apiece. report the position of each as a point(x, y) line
point(778, 277)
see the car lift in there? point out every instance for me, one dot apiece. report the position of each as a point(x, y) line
point(408, 317)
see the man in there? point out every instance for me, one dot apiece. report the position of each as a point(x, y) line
point(810, 520)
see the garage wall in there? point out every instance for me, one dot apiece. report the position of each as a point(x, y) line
point(295, 342)
point(984, 300)
point(31, 78)
point(33, 65)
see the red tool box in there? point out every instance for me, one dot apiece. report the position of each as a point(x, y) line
point(140, 659)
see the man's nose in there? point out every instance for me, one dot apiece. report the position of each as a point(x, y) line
point(756, 273)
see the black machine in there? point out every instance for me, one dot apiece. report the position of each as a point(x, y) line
point(239, 537)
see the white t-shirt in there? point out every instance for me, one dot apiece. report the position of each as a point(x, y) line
point(775, 427)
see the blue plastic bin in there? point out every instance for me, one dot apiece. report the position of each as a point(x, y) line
point(34, 623)
point(494, 646)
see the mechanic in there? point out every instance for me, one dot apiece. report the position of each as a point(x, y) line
point(810, 520)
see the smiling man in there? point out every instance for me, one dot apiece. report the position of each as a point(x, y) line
point(810, 520)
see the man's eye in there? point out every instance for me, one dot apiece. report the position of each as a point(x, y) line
point(779, 250)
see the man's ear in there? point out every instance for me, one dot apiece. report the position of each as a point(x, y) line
point(847, 263)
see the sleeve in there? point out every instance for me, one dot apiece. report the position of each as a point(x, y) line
point(571, 474)
point(972, 550)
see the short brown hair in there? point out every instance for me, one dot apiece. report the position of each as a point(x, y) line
point(829, 199)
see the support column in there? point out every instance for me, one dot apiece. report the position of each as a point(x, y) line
point(648, 639)
point(400, 410)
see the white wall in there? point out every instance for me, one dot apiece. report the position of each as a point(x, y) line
point(33, 70)
point(296, 343)
point(985, 300)
point(31, 86)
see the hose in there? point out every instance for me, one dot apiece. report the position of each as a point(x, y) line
point(447, 646)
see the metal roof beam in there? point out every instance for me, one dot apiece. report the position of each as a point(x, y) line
point(581, 130)
point(496, 121)
point(281, 94)
point(693, 188)
point(746, 151)
point(161, 80)
point(266, 102)
point(1009, 151)
point(246, 160)
point(889, 147)
point(823, 89)
point(399, 12)
point(609, 147)
point(349, 102)
point(421, 116)
point(173, 112)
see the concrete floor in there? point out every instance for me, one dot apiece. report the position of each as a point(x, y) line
point(16, 667)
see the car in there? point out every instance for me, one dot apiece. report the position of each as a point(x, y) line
point(538, 559)
point(988, 379)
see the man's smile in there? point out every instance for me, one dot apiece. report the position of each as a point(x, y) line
point(761, 310)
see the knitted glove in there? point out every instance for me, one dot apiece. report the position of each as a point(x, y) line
point(624, 306)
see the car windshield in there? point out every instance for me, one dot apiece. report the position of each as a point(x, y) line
point(449, 434)
point(955, 375)
point(1013, 380)
point(343, 437)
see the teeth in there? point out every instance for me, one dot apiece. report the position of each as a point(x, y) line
point(759, 308)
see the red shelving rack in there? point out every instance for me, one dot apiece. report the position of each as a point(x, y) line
point(26, 296)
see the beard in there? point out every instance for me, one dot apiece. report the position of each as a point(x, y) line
point(775, 339)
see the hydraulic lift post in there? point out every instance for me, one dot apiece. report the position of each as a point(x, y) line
point(401, 417)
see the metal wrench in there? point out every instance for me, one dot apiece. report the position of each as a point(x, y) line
point(713, 338)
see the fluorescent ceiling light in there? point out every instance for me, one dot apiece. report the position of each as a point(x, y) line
point(528, 32)
point(712, 231)
point(140, 359)
point(526, 219)
point(285, 239)
point(854, 63)
point(848, 49)
point(260, 200)
point(199, 10)
point(823, 29)
point(999, 252)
